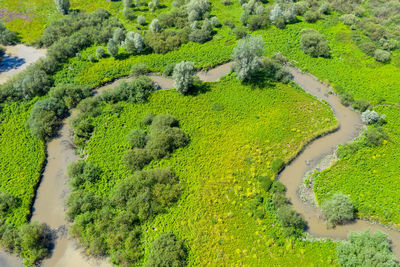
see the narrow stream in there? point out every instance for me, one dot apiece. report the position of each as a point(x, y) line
point(292, 175)
point(49, 205)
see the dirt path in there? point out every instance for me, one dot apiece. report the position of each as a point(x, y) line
point(292, 175)
point(18, 58)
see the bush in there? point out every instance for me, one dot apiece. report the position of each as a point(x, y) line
point(215, 22)
point(100, 52)
point(370, 117)
point(137, 158)
point(292, 223)
point(382, 55)
point(139, 69)
point(257, 22)
point(247, 55)
point(34, 82)
point(148, 119)
point(290, 14)
point(229, 23)
point(346, 99)
point(374, 136)
point(155, 26)
point(168, 70)
point(349, 19)
point(135, 91)
point(70, 94)
point(162, 142)
point(276, 13)
point(277, 165)
point(361, 105)
point(45, 117)
point(200, 36)
point(7, 37)
point(314, 44)
point(167, 250)
point(325, 8)
point(183, 76)
point(167, 40)
point(112, 48)
point(91, 58)
point(7, 203)
point(137, 138)
point(301, 7)
point(337, 209)
point(34, 243)
point(364, 249)
point(134, 43)
point(141, 20)
point(311, 16)
point(62, 6)
point(118, 35)
point(240, 32)
point(81, 172)
point(163, 121)
point(348, 150)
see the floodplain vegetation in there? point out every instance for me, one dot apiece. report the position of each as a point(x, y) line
point(187, 178)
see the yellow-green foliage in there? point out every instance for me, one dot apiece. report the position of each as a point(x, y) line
point(235, 133)
point(370, 176)
point(21, 158)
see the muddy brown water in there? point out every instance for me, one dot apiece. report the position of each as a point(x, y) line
point(292, 175)
point(52, 192)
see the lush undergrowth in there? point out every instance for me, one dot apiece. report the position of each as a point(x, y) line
point(236, 132)
point(370, 176)
point(22, 158)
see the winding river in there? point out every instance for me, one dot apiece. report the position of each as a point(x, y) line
point(49, 205)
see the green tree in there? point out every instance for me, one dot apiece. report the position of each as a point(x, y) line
point(62, 6)
point(183, 76)
point(364, 249)
point(338, 209)
point(112, 48)
point(167, 250)
point(247, 55)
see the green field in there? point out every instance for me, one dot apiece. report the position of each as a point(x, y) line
point(235, 133)
point(22, 159)
point(370, 176)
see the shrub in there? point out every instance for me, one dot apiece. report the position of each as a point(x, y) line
point(229, 23)
point(314, 44)
point(135, 91)
point(240, 32)
point(325, 8)
point(34, 243)
point(311, 16)
point(34, 82)
point(137, 158)
point(71, 94)
point(200, 36)
point(370, 117)
point(374, 136)
point(349, 19)
point(215, 22)
point(197, 9)
point(7, 37)
point(134, 43)
point(168, 70)
point(155, 26)
point(361, 105)
point(292, 223)
point(346, 99)
point(167, 250)
point(141, 20)
point(277, 187)
point(81, 172)
point(45, 116)
point(382, 55)
point(290, 14)
point(91, 58)
point(338, 209)
point(7, 203)
point(148, 119)
point(183, 76)
point(112, 48)
point(364, 249)
point(167, 40)
point(118, 35)
point(257, 22)
point(347, 150)
point(277, 165)
point(275, 13)
point(137, 138)
point(247, 55)
point(62, 6)
point(279, 200)
point(139, 69)
point(162, 142)
point(100, 52)
point(301, 7)
point(163, 121)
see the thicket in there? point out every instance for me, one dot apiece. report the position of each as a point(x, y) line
point(314, 43)
point(113, 225)
point(293, 224)
point(7, 37)
point(165, 136)
point(167, 250)
point(32, 242)
point(337, 209)
point(364, 249)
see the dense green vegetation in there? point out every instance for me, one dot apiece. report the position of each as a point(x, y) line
point(357, 49)
point(232, 128)
point(364, 249)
